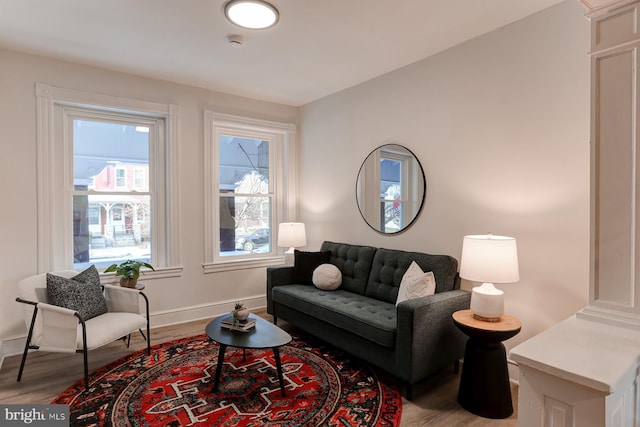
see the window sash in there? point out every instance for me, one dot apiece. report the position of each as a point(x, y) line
point(220, 132)
point(156, 155)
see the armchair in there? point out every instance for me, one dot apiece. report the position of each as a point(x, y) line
point(58, 329)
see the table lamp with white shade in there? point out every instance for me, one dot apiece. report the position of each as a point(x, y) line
point(489, 259)
point(291, 235)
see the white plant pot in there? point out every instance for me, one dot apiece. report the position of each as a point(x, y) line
point(242, 314)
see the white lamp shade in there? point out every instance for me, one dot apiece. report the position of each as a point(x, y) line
point(489, 259)
point(292, 235)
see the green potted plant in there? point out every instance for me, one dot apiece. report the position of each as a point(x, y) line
point(129, 270)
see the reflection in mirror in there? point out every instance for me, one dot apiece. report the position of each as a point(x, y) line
point(390, 188)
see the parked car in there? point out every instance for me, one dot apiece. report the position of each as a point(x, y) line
point(260, 237)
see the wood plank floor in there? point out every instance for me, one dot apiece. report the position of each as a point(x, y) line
point(49, 374)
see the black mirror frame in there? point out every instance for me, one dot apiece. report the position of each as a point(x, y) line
point(422, 201)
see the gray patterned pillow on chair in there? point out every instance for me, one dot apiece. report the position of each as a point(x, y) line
point(81, 293)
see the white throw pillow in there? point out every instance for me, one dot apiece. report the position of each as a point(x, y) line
point(327, 277)
point(416, 283)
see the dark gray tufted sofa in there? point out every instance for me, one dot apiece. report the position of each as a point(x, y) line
point(411, 341)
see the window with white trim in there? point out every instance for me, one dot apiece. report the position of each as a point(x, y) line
point(93, 154)
point(250, 189)
point(140, 177)
point(121, 177)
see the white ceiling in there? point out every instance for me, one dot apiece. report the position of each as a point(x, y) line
point(319, 46)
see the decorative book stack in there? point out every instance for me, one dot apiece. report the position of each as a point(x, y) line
point(233, 324)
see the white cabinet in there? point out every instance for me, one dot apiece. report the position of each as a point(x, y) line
point(579, 373)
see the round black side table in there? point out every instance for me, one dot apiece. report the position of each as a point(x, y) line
point(484, 385)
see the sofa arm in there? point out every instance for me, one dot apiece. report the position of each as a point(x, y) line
point(277, 276)
point(427, 338)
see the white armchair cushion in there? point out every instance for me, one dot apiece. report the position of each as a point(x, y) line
point(34, 289)
point(122, 299)
point(110, 327)
point(57, 329)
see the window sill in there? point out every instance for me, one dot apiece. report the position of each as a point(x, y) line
point(242, 264)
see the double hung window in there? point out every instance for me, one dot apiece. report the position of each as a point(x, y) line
point(250, 172)
point(107, 174)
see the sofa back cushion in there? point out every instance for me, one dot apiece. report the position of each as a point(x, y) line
point(354, 262)
point(389, 265)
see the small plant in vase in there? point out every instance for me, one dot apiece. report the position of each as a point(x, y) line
point(240, 312)
point(129, 270)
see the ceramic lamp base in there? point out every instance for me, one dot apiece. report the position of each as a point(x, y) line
point(289, 257)
point(487, 303)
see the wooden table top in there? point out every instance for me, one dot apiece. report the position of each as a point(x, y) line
point(507, 322)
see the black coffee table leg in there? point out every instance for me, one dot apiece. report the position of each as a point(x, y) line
point(216, 380)
point(276, 354)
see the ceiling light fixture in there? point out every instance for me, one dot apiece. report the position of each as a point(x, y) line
point(252, 14)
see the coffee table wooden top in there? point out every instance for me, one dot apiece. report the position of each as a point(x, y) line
point(264, 335)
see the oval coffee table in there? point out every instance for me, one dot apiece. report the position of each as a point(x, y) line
point(264, 335)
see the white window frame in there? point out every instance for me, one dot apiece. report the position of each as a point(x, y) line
point(55, 157)
point(283, 184)
point(139, 182)
point(405, 183)
point(124, 178)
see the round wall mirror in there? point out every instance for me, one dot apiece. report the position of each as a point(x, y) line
point(390, 188)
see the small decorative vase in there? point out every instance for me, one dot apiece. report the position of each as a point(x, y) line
point(241, 315)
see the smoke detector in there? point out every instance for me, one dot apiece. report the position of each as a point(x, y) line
point(235, 40)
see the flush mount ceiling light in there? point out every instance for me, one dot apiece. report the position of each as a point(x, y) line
point(252, 14)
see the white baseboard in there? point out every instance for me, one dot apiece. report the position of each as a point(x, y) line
point(15, 346)
point(11, 347)
point(514, 372)
point(203, 311)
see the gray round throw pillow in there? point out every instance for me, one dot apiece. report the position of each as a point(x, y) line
point(327, 277)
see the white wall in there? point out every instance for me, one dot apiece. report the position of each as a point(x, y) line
point(501, 126)
point(191, 296)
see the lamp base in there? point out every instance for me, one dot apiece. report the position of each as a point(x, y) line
point(289, 257)
point(487, 303)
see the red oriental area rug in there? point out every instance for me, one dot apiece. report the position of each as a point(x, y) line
point(173, 387)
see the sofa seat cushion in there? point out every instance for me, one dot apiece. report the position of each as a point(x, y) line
point(369, 318)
